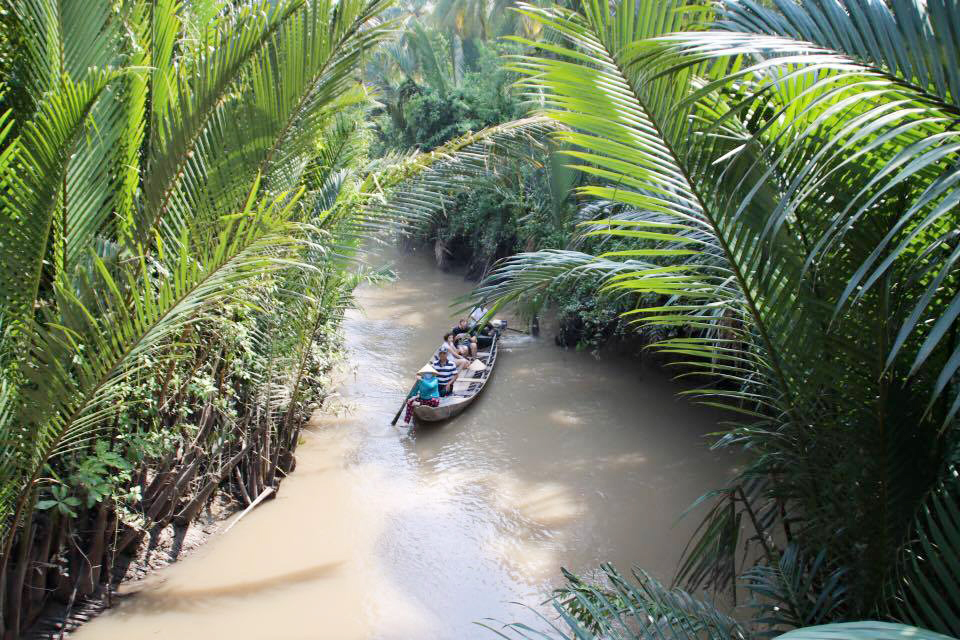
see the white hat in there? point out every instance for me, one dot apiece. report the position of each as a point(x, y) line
point(477, 365)
point(427, 369)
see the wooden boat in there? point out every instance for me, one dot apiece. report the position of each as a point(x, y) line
point(466, 388)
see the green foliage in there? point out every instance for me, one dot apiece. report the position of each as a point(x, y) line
point(181, 205)
point(642, 609)
point(432, 115)
point(784, 217)
point(526, 204)
point(121, 266)
point(795, 591)
point(181, 198)
point(617, 607)
point(60, 500)
point(97, 476)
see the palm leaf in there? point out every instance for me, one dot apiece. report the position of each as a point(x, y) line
point(415, 188)
point(862, 631)
point(68, 401)
point(635, 609)
point(796, 591)
point(195, 98)
point(911, 42)
point(892, 152)
point(925, 590)
point(36, 165)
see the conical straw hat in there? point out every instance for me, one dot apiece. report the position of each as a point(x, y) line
point(477, 365)
point(428, 369)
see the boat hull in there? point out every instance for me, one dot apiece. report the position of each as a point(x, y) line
point(466, 390)
point(436, 414)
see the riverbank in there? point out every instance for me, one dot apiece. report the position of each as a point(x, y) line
point(183, 500)
point(162, 548)
point(566, 460)
point(582, 319)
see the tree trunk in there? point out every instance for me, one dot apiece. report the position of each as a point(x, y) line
point(192, 508)
point(242, 486)
point(38, 581)
point(19, 575)
point(90, 576)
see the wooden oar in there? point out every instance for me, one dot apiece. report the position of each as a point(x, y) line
point(402, 405)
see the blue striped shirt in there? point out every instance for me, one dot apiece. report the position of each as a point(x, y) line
point(445, 372)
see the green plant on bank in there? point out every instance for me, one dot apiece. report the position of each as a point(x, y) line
point(423, 105)
point(182, 187)
point(425, 101)
point(518, 202)
point(784, 177)
point(643, 608)
point(181, 198)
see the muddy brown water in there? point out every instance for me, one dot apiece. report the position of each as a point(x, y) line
point(565, 460)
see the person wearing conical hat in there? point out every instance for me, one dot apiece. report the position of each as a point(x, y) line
point(425, 392)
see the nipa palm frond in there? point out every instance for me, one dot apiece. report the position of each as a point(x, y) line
point(35, 166)
point(925, 588)
point(863, 100)
point(187, 100)
point(412, 190)
point(779, 189)
point(637, 131)
point(82, 359)
point(638, 609)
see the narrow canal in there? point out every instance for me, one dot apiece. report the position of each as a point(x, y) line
point(565, 460)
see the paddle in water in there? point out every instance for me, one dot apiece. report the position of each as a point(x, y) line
point(402, 405)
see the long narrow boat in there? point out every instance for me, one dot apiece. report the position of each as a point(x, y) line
point(466, 388)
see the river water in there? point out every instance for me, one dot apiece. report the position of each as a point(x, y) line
point(564, 460)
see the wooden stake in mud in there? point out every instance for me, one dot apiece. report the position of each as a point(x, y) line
point(263, 496)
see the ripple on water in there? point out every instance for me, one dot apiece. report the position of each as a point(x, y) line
point(565, 460)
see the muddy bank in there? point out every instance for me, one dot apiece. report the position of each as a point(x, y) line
point(137, 571)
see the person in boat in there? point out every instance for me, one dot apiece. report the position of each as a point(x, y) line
point(459, 354)
point(478, 312)
point(483, 332)
point(463, 338)
point(447, 371)
point(425, 392)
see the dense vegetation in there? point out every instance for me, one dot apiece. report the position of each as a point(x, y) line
point(155, 189)
point(429, 94)
point(786, 175)
point(774, 189)
point(182, 189)
point(767, 192)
